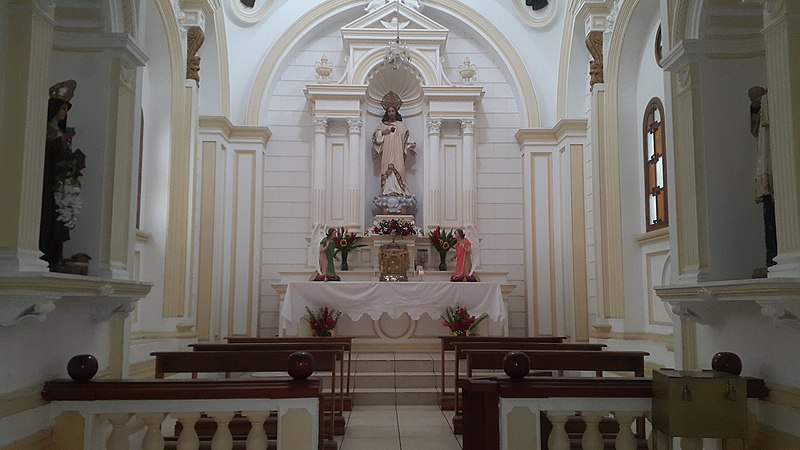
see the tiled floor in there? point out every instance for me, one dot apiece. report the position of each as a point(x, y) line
point(399, 427)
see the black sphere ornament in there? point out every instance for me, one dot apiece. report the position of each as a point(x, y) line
point(82, 368)
point(300, 365)
point(516, 364)
point(727, 362)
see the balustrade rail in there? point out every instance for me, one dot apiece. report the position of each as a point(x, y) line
point(121, 415)
point(559, 413)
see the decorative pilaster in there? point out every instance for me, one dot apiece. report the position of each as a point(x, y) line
point(354, 191)
point(781, 34)
point(688, 202)
point(318, 162)
point(24, 78)
point(469, 176)
point(433, 175)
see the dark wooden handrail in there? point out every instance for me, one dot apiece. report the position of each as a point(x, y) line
point(274, 388)
point(481, 398)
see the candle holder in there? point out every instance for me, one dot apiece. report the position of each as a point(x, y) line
point(421, 273)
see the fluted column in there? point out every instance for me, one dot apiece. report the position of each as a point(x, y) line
point(355, 150)
point(24, 79)
point(433, 178)
point(468, 176)
point(781, 34)
point(319, 176)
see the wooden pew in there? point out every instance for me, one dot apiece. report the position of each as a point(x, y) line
point(227, 362)
point(555, 360)
point(460, 347)
point(447, 345)
point(337, 399)
point(447, 400)
point(347, 341)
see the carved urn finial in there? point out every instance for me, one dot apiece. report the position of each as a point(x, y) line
point(467, 71)
point(323, 68)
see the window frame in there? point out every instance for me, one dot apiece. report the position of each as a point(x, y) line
point(650, 124)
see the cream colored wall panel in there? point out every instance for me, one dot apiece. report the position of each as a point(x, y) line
point(242, 255)
point(205, 251)
point(655, 269)
point(451, 182)
point(337, 178)
point(544, 319)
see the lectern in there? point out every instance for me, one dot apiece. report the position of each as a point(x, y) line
point(705, 404)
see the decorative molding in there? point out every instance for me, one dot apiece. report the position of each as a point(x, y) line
point(594, 43)
point(36, 295)
point(652, 237)
point(434, 126)
point(467, 126)
point(626, 336)
point(280, 49)
point(234, 133)
point(780, 315)
point(244, 16)
point(536, 19)
point(779, 299)
point(354, 125)
point(321, 125)
point(194, 40)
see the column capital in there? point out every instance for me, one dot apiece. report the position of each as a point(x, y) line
point(354, 125)
point(434, 126)
point(321, 125)
point(467, 126)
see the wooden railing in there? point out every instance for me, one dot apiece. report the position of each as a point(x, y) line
point(558, 413)
point(138, 413)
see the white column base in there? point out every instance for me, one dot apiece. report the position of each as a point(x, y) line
point(14, 261)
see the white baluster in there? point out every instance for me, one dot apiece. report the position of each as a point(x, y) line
point(257, 438)
point(118, 440)
point(558, 439)
point(625, 439)
point(152, 439)
point(650, 432)
point(222, 439)
point(188, 439)
point(592, 439)
point(688, 443)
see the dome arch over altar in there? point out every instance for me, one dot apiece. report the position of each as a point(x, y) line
point(486, 35)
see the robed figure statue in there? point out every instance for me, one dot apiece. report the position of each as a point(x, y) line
point(392, 143)
point(759, 128)
point(60, 184)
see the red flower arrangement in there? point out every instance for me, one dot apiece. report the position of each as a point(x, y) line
point(442, 240)
point(460, 321)
point(323, 321)
point(395, 227)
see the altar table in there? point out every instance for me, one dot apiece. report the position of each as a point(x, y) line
point(374, 298)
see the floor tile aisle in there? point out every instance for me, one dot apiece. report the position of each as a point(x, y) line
point(400, 427)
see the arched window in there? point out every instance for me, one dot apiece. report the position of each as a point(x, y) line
point(655, 182)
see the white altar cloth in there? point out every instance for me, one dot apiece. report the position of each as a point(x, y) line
point(375, 298)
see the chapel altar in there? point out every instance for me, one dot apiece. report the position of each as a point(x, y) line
point(416, 163)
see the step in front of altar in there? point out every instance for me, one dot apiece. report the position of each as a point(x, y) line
point(397, 378)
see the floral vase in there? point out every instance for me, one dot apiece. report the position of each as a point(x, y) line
point(458, 333)
point(344, 260)
point(326, 333)
point(442, 260)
